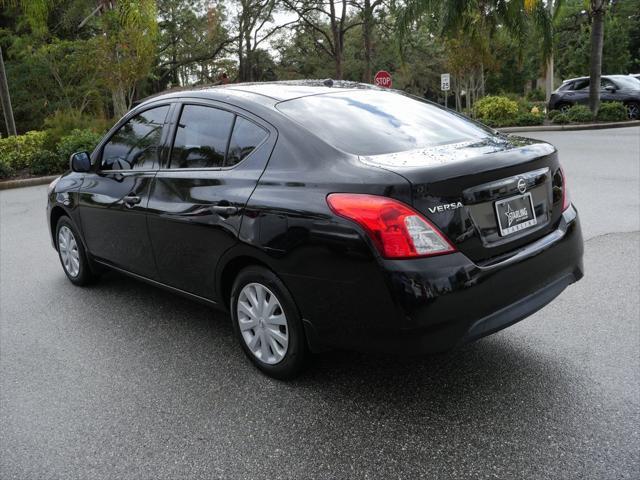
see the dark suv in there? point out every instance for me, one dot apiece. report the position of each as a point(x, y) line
point(613, 88)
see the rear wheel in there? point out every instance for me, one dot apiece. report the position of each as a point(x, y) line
point(71, 252)
point(267, 323)
point(633, 110)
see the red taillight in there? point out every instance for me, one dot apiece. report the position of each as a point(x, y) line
point(566, 200)
point(397, 230)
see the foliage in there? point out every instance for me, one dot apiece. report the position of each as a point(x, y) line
point(612, 112)
point(124, 54)
point(526, 119)
point(579, 114)
point(561, 119)
point(31, 152)
point(77, 141)
point(62, 122)
point(17, 151)
point(496, 110)
point(536, 95)
point(551, 114)
point(45, 162)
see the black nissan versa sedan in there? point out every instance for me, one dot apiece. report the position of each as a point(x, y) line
point(323, 215)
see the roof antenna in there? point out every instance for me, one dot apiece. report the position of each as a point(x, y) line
point(328, 82)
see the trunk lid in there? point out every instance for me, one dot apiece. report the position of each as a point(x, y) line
point(465, 188)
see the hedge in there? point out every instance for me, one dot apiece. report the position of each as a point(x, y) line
point(612, 112)
point(33, 152)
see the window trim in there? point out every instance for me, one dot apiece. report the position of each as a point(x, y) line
point(176, 114)
point(116, 128)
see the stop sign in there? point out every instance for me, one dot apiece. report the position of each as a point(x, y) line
point(382, 79)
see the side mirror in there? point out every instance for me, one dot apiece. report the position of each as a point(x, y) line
point(610, 88)
point(80, 162)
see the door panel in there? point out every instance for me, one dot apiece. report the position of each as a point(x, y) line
point(114, 225)
point(195, 213)
point(189, 230)
point(113, 200)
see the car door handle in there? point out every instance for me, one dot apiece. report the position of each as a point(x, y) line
point(224, 210)
point(131, 200)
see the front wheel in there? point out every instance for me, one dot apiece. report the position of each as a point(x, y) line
point(267, 323)
point(72, 255)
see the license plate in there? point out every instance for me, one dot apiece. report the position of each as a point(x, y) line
point(515, 214)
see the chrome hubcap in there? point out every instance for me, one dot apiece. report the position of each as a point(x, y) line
point(262, 322)
point(69, 254)
point(633, 111)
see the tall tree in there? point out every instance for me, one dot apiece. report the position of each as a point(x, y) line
point(254, 23)
point(126, 50)
point(368, 10)
point(36, 12)
point(330, 20)
point(192, 40)
point(597, 11)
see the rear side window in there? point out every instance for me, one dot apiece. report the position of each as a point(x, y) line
point(244, 140)
point(201, 137)
point(374, 122)
point(135, 145)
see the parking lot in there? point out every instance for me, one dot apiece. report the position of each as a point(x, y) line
point(122, 380)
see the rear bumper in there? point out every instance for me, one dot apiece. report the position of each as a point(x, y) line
point(445, 301)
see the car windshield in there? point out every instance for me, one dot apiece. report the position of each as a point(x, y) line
point(375, 122)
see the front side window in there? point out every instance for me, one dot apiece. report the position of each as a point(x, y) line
point(201, 137)
point(582, 84)
point(244, 140)
point(135, 145)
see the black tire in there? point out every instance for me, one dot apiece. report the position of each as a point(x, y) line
point(295, 358)
point(85, 274)
point(563, 107)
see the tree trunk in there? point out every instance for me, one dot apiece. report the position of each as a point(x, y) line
point(6, 99)
point(549, 74)
point(595, 65)
point(119, 98)
point(367, 24)
point(548, 82)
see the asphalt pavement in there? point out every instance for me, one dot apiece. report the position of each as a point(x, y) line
point(125, 381)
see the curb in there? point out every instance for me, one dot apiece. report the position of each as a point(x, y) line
point(551, 128)
point(26, 182)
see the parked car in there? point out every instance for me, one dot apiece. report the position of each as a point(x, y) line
point(323, 215)
point(613, 88)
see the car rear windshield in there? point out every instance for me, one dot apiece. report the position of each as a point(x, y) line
point(374, 122)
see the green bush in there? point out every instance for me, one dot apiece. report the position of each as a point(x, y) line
point(46, 162)
point(580, 114)
point(551, 114)
point(62, 122)
point(496, 111)
point(612, 112)
point(526, 119)
point(5, 169)
point(536, 95)
point(77, 141)
point(17, 151)
point(561, 119)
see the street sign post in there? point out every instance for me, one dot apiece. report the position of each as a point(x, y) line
point(445, 86)
point(382, 79)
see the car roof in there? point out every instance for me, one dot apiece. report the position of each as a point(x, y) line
point(263, 92)
point(586, 78)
